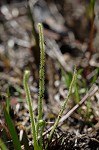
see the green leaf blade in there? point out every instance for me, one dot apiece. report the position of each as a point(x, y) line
point(12, 130)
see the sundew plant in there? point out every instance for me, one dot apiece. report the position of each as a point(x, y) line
point(37, 126)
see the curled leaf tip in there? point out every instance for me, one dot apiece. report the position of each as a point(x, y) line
point(26, 74)
point(39, 25)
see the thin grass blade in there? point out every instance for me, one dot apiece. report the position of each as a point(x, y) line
point(12, 130)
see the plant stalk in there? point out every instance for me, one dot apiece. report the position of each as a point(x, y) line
point(63, 108)
point(34, 135)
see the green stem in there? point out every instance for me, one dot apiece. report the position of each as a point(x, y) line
point(2, 145)
point(39, 127)
point(26, 76)
point(63, 108)
point(41, 73)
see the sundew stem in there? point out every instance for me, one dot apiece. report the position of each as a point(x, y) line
point(34, 136)
point(39, 126)
point(41, 73)
point(37, 129)
point(62, 108)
